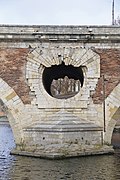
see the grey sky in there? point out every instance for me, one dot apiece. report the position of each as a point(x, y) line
point(57, 12)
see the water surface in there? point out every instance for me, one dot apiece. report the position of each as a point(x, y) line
point(106, 167)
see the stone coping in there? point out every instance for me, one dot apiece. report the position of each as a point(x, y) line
point(59, 29)
point(64, 33)
point(57, 25)
point(48, 33)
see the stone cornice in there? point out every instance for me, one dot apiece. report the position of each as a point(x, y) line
point(85, 34)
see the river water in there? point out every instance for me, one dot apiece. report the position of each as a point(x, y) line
point(106, 167)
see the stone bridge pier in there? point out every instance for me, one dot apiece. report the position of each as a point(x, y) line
point(60, 88)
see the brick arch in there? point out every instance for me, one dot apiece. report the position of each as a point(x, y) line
point(14, 107)
point(112, 105)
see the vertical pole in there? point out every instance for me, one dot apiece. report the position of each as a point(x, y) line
point(113, 11)
point(104, 117)
point(59, 86)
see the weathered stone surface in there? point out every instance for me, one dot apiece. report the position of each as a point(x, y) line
point(38, 123)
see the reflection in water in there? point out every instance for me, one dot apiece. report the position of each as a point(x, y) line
point(6, 140)
point(116, 140)
point(83, 168)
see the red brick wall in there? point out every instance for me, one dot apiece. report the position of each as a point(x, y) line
point(12, 71)
point(110, 68)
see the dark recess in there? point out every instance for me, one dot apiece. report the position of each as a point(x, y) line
point(60, 71)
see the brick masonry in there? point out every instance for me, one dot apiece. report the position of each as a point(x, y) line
point(110, 68)
point(12, 71)
point(42, 124)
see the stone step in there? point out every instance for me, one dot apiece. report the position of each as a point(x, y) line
point(63, 121)
point(61, 129)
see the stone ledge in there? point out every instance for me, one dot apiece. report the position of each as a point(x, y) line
point(111, 38)
point(103, 151)
point(62, 29)
point(62, 130)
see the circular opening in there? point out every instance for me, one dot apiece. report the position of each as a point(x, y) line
point(61, 81)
